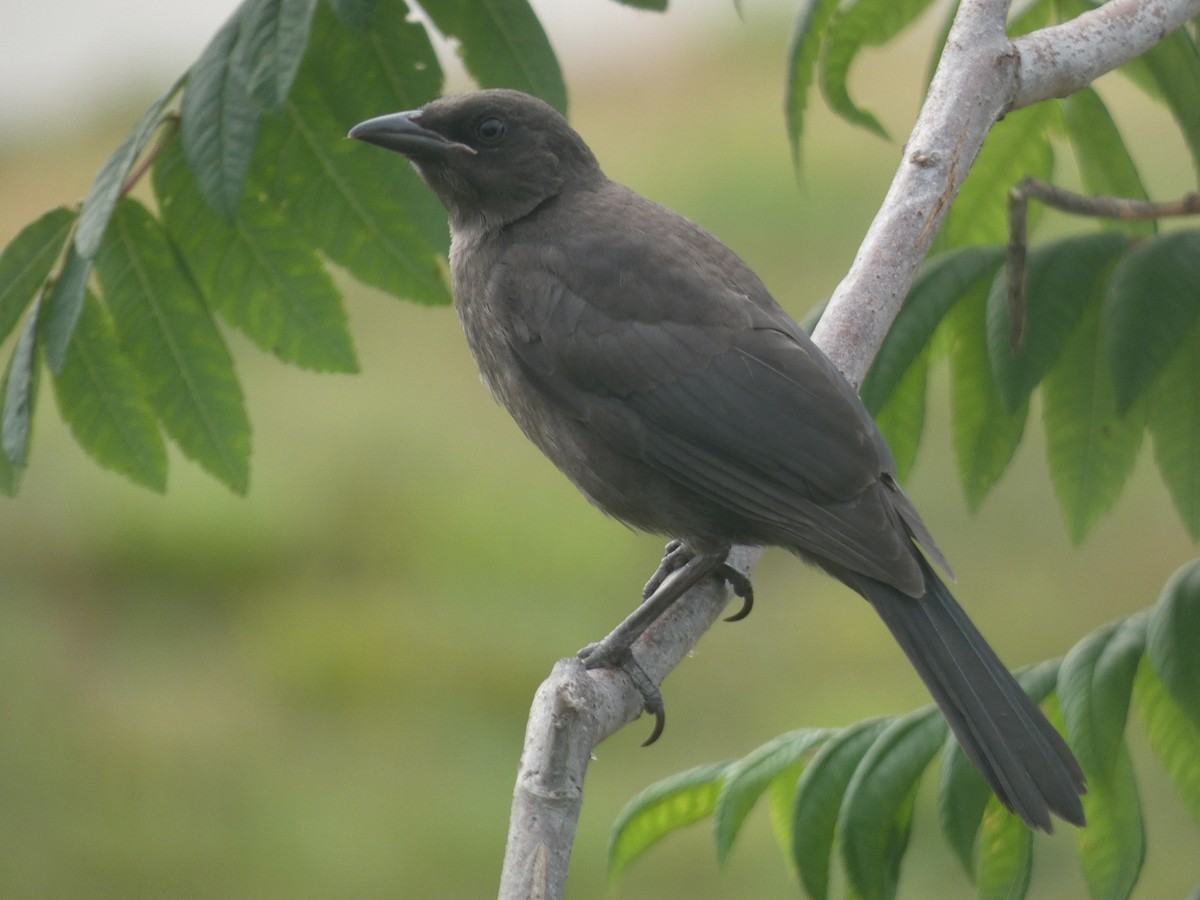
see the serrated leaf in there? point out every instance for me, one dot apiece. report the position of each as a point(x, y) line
point(270, 46)
point(746, 779)
point(1174, 635)
point(1094, 686)
point(876, 815)
point(903, 418)
point(1005, 855)
point(1150, 305)
point(864, 23)
point(27, 261)
point(257, 272)
point(1173, 419)
point(1174, 737)
point(391, 67)
point(803, 53)
point(942, 282)
point(105, 191)
point(101, 399)
point(819, 800)
point(348, 200)
point(1105, 166)
point(667, 806)
point(173, 342)
point(985, 435)
point(1018, 146)
point(220, 119)
point(503, 45)
point(1062, 278)
point(63, 305)
point(1113, 846)
point(20, 393)
point(1090, 447)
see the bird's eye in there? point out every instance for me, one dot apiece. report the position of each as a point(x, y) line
point(490, 130)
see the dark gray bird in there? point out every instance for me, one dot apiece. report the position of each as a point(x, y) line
point(651, 365)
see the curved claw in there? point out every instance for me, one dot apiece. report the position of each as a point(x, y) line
point(594, 657)
point(660, 722)
point(740, 583)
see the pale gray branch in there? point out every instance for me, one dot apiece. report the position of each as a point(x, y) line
point(1061, 59)
point(981, 75)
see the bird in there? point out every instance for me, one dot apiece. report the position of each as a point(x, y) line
point(652, 366)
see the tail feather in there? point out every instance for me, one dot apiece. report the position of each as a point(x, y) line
point(1019, 753)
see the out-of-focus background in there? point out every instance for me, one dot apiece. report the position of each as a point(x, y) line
point(319, 690)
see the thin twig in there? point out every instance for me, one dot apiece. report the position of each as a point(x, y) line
point(1120, 208)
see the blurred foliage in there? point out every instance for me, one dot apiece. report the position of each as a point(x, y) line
point(854, 788)
point(302, 693)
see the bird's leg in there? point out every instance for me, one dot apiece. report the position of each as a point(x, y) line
point(677, 555)
point(687, 570)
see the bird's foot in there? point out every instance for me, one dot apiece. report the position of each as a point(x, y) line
point(598, 656)
point(677, 555)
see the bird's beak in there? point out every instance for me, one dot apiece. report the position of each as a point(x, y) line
point(401, 133)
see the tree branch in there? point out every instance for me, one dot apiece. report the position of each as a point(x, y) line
point(981, 75)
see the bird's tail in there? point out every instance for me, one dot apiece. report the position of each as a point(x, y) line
point(1018, 752)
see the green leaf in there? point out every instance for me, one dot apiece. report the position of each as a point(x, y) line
point(173, 342)
point(746, 779)
point(1105, 166)
point(271, 44)
point(27, 261)
point(652, 5)
point(876, 815)
point(963, 797)
point(781, 799)
point(503, 45)
point(1173, 735)
point(20, 393)
point(819, 800)
point(903, 418)
point(1170, 72)
point(391, 67)
point(1062, 279)
point(985, 435)
point(1091, 448)
point(803, 53)
point(355, 14)
point(1173, 418)
point(220, 118)
point(864, 23)
point(102, 198)
point(63, 306)
point(1174, 635)
point(664, 807)
point(1150, 306)
point(1113, 846)
point(943, 281)
point(1094, 686)
point(100, 397)
point(257, 272)
point(1005, 855)
point(1017, 147)
point(349, 200)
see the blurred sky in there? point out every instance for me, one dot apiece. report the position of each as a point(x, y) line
point(60, 58)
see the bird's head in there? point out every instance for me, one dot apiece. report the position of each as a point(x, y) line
point(490, 156)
